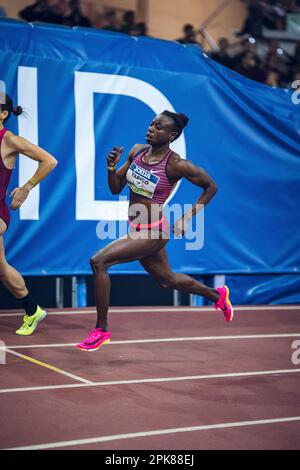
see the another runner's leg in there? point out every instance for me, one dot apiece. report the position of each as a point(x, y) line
point(15, 283)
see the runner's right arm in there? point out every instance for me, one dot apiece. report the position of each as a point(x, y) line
point(117, 179)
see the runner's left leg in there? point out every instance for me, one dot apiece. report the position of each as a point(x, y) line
point(158, 266)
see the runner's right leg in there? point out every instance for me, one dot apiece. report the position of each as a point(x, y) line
point(119, 251)
point(11, 278)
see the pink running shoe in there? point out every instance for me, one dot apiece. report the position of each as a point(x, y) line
point(94, 340)
point(224, 303)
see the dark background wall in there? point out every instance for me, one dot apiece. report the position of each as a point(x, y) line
point(125, 290)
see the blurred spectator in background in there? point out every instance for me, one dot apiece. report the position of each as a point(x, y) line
point(110, 21)
point(296, 76)
point(250, 68)
point(242, 47)
point(128, 21)
point(2, 12)
point(143, 29)
point(88, 10)
point(269, 14)
point(274, 14)
point(189, 35)
point(253, 23)
point(275, 58)
point(222, 55)
point(64, 12)
point(42, 10)
point(134, 30)
point(296, 58)
point(271, 65)
point(138, 29)
point(273, 78)
point(295, 6)
point(70, 14)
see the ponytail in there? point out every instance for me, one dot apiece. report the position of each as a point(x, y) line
point(17, 111)
point(9, 107)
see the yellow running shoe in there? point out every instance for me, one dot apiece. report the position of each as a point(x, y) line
point(31, 322)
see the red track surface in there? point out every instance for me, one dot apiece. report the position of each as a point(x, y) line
point(194, 397)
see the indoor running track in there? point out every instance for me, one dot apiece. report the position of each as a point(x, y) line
point(171, 378)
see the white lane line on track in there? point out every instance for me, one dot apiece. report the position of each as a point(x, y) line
point(155, 380)
point(158, 432)
point(162, 340)
point(163, 310)
point(48, 366)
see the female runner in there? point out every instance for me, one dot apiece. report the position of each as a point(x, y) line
point(10, 146)
point(152, 172)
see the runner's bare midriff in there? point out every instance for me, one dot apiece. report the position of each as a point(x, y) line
point(147, 211)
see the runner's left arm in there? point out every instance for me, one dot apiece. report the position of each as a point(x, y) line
point(19, 145)
point(180, 168)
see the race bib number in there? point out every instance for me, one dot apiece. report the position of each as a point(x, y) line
point(142, 181)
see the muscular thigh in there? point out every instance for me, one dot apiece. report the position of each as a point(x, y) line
point(157, 265)
point(3, 227)
point(2, 230)
point(2, 252)
point(128, 249)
